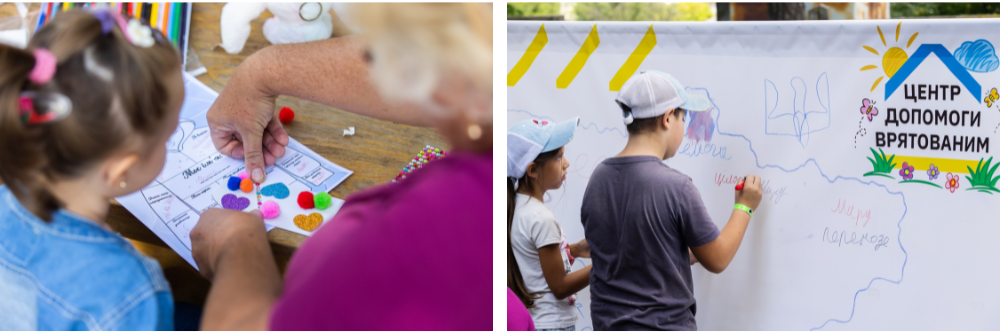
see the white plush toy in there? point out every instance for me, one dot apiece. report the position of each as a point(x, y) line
point(293, 22)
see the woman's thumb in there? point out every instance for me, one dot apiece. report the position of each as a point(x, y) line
point(253, 153)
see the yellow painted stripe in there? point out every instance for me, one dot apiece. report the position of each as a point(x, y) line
point(580, 59)
point(634, 60)
point(529, 57)
point(943, 164)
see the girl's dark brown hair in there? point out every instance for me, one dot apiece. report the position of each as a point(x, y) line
point(106, 113)
point(515, 281)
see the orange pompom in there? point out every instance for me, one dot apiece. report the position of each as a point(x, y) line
point(246, 185)
point(286, 115)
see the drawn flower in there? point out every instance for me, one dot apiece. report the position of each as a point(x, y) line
point(906, 171)
point(952, 183)
point(933, 172)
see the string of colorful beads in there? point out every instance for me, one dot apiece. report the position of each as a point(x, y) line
point(258, 194)
point(423, 157)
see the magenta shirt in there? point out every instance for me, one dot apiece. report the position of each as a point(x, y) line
point(415, 255)
point(518, 317)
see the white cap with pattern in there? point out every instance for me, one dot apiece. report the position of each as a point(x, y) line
point(651, 93)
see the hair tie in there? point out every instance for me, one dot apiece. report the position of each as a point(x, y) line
point(45, 67)
point(106, 16)
point(123, 25)
point(40, 108)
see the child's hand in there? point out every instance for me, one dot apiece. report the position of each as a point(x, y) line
point(223, 232)
point(751, 192)
point(580, 250)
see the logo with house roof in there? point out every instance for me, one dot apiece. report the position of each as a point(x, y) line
point(957, 128)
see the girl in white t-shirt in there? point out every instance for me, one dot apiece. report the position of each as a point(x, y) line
point(538, 257)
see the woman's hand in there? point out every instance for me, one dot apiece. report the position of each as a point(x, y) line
point(231, 250)
point(220, 232)
point(242, 122)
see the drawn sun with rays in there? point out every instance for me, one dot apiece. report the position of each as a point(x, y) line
point(892, 59)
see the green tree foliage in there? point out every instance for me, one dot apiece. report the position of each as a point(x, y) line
point(529, 9)
point(918, 9)
point(648, 11)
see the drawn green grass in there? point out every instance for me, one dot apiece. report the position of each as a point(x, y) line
point(881, 165)
point(921, 182)
point(982, 179)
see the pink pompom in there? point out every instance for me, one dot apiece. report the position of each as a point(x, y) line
point(243, 175)
point(270, 210)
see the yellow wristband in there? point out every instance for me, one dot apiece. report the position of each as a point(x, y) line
point(744, 208)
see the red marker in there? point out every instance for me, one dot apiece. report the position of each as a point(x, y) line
point(740, 186)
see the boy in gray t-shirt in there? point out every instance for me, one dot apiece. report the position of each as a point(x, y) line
point(641, 217)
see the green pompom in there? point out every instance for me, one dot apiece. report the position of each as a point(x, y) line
point(322, 200)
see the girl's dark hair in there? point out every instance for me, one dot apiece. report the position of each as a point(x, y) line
point(515, 281)
point(107, 111)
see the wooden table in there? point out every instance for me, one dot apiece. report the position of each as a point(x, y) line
point(376, 153)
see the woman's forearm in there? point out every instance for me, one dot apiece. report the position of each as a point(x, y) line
point(245, 286)
point(330, 71)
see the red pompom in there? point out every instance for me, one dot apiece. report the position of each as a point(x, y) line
point(286, 115)
point(306, 200)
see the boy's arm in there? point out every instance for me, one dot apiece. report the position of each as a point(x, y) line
point(580, 250)
point(561, 284)
point(716, 255)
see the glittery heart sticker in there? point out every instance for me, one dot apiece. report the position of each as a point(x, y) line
point(277, 190)
point(308, 223)
point(233, 202)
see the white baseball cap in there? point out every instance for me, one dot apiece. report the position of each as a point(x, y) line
point(651, 93)
point(531, 137)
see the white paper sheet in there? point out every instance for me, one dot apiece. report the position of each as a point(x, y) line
point(172, 204)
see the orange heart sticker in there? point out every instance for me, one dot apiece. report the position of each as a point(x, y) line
point(308, 223)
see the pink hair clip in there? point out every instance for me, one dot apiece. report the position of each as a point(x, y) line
point(45, 67)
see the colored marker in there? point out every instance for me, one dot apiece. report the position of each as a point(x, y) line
point(41, 20)
point(740, 186)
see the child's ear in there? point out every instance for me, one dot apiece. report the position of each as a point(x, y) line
point(532, 170)
point(665, 121)
point(117, 168)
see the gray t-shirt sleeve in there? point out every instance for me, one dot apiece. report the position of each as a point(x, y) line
point(696, 225)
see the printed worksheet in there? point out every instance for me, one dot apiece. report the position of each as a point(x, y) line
point(194, 170)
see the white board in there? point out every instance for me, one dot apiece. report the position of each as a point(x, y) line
point(787, 103)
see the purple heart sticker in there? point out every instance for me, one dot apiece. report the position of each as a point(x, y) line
point(233, 202)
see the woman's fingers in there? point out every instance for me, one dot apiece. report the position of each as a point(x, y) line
point(278, 131)
point(273, 149)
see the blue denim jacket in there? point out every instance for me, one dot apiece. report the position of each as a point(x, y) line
point(71, 274)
